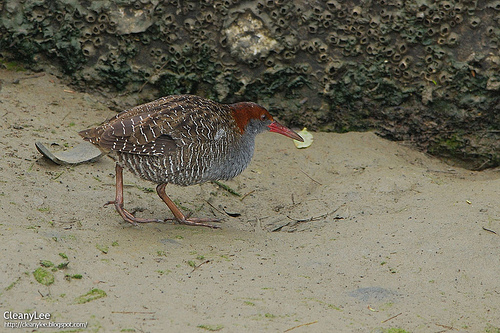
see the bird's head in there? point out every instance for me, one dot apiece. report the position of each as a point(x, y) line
point(254, 119)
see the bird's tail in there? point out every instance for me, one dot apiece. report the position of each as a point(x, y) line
point(92, 134)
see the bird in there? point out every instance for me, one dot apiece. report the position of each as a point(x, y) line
point(182, 140)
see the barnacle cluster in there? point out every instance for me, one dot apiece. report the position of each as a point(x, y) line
point(354, 61)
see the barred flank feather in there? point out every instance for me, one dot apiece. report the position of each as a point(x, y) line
point(181, 139)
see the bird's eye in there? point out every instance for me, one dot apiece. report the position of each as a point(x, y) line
point(263, 117)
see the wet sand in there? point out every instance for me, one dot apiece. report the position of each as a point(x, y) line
point(354, 234)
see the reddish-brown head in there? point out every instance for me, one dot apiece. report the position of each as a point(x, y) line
point(248, 113)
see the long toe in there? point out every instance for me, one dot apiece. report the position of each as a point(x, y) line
point(199, 222)
point(134, 220)
point(129, 217)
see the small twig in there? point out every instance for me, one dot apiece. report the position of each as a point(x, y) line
point(392, 317)
point(447, 327)
point(306, 324)
point(198, 266)
point(217, 209)
point(314, 218)
point(314, 180)
point(489, 230)
point(246, 194)
point(67, 114)
point(58, 175)
point(479, 168)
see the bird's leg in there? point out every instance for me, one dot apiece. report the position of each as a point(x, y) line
point(179, 216)
point(118, 202)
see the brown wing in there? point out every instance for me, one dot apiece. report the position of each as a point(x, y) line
point(162, 126)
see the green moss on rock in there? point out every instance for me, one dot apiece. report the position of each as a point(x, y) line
point(422, 71)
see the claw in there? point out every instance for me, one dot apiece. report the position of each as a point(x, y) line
point(197, 222)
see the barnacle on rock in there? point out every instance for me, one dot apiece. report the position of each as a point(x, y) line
point(333, 5)
point(332, 51)
point(372, 49)
point(87, 32)
point(491, 31)
point(312, 28)
point(396, 58)
point(452, 39)
point(190, 23)
point(388, 51)
point(408, 76)
point(155, 52)
point(357, 12)
point(333, 38)
point(95, 29)
point(446, 5)
point(397, 71)
point(322, 57)
point(270, 62)
point(176, 51)
point(103, 18)
point(445, 29)
point(474, 21)
point(88, 49)
point(333, 66)
point(372, 33)
point(288, 54)
point(96, 41)
point(404, 64)
point(90, 17)
point(402, 48)
point(269, 4)
point(432, 67)
point(494, 4)
point(444, 77)
point(374, 22)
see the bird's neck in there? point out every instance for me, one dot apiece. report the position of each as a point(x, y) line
point(238, 156)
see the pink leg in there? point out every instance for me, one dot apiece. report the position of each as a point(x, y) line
point(181, 218)
point(118, 202)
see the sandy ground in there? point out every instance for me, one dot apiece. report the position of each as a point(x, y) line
point(354, 234)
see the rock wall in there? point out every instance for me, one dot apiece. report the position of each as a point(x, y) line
point(425, 72)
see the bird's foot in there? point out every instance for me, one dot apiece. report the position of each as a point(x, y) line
point(128, 216)
point(201, 222)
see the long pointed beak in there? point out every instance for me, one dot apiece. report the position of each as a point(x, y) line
point(278, 128)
